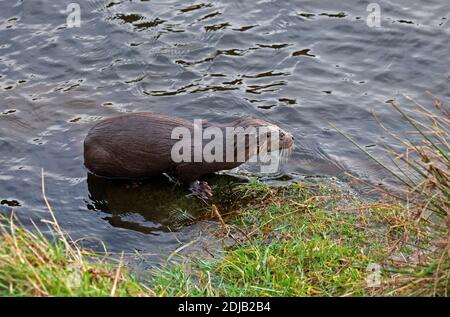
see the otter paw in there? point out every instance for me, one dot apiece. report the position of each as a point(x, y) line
point(201, 190)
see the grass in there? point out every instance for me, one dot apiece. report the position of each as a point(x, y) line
point(423, 174)
point(306, 240)
point(299, 240)
point(32, 265)
point(303, 239)
point(291, 247)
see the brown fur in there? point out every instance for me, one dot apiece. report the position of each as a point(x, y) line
point(138, 145)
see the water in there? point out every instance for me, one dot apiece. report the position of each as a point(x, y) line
point(299, 64)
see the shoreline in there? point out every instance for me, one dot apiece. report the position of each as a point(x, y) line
point(296, 240)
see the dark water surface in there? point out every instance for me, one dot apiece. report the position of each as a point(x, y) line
point(300, 64)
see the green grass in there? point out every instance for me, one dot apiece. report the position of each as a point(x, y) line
point(32, 265)
point(294, 241)
point(299, 241)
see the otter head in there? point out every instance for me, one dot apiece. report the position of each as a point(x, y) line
point(266, 133)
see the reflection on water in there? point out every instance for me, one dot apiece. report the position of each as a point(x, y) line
point(156, 205)
point(300, 64)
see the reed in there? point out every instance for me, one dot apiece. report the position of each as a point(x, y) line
point(422, 171)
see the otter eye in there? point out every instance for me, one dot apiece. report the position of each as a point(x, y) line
point(268, 135)
point(282, 134)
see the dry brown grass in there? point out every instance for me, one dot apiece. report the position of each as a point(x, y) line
point(422, 173)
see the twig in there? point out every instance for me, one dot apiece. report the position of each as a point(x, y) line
point(116, 278)
point(215, 212)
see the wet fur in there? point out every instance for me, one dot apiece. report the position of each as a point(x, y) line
point(138, 145)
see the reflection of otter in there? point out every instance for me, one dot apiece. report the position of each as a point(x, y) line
point(152, 205)
point(139, 145)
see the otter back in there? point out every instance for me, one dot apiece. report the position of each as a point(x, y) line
point(136, 145)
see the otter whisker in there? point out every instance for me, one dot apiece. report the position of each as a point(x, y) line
point(286, 155)
point(282, 154)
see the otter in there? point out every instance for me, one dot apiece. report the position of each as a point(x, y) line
point(140, 145)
